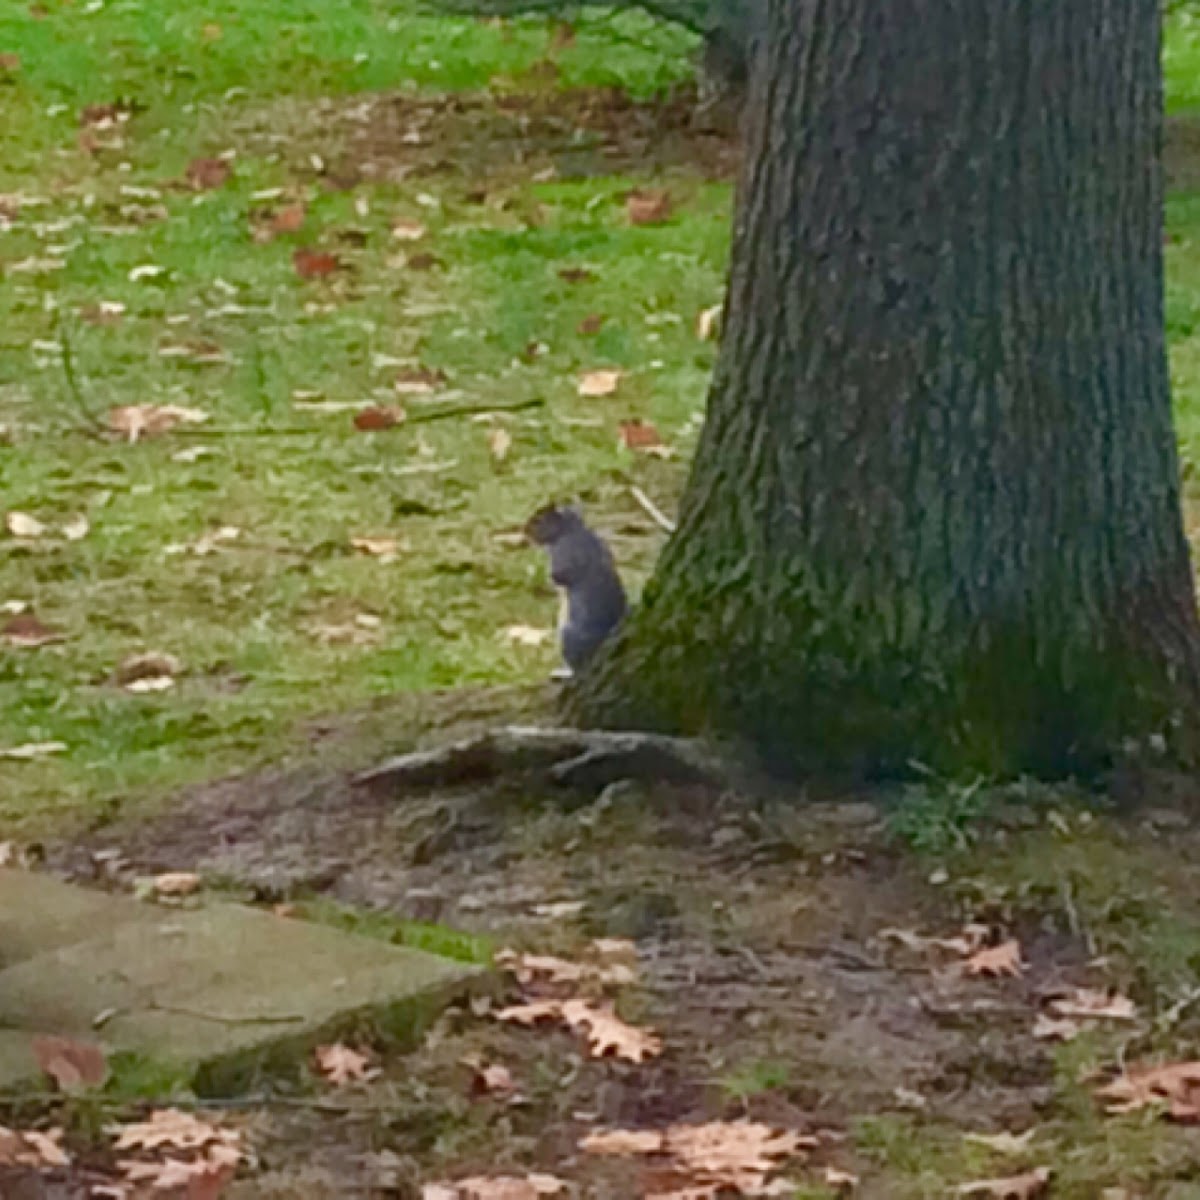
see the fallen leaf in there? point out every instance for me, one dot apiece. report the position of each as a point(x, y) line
point(419, 381)
point(624, 1143)
point(404, 230)
point(1003, 1143)
point(595, 384)
point(74, 1066)
point(171, 1127)
point(31, 750)
point(1051, 1029)
point(138, 670)
point(206, 543)
point(708, 323)
point(340, 1065)
point(386, 549)
point(32, 1148)
point(649, 207)
point(379, 417)
point(575, 274)
point(134, 421)
point(1004, 959)
point(206, 174)
point(26, 631)
point(425, 261)
point(739, 1154)
point(76, 529)
point(841, 1181)
point(607, 1033)
point(642, 438)
point(1094, 1003)
point(10, 62)
point(176, 883)
point(590, 324)
point(527, 635)
point(314, 264)
point(499, 444)
point(22, 525)
point(494, 1080)
point(289, 219)
point(146, 271)
point(1175, 1085)
point(495, 1187)
point(531, 1013)
point(1016, 1187)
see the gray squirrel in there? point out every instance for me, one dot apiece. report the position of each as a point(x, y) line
point(582, 566)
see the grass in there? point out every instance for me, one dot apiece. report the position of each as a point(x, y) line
point(288, 620)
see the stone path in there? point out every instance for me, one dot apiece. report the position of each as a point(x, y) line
point(217, 992)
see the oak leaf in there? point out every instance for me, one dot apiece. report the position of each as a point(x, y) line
point(607, 1033)
point(1175, 1085)
point(341, 1065)
point(995, 961)
point(1094, 1003)
point(75, 1066)
point(649, 207)
point(1016, 1187)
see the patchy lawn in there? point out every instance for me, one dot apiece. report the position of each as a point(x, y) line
point(284, 217)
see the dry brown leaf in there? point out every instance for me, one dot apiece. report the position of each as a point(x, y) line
point(379, 417)
point(531, 1013)
point(1003, 1143)
point(1052, 1029)
point(76, 529)
point(419, 381)
point(174, 1128)
point(404, 230)
point(10, 62)
point(1094, 1003)
point(972, 938)
point(708, 323)
point(738, 1153)
point(840, 1181)
point(206, 174)
point(1016, 1187)
point(576, 274)
point(340, 1065)
point(74, 1066)
point(595, 384)
point(26, 631)
point(615, 948)
point(527, 967)
point(494, 1079)
point(1004, 959)
point(286, 220)
point(1175, 1085)
point(134, 421)
point(527, 635)
point(22, 525)
point(425, 261)
point(642, 437)
point(591, 324)
point(649, 207)
point(624, 1143)
point(607, 1033)
point(314, 264)
point(495, 1187)
point(499, 443)
point(146, 672)
point(176, 883)
point(32, 1148)
point(386, 549)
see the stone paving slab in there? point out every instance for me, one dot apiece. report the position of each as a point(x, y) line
point(203, 989)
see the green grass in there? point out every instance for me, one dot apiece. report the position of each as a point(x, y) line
point(251, 622)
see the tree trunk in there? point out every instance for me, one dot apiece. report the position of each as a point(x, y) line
point(935, 511)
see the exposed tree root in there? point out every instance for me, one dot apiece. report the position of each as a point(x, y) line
point(581, 759)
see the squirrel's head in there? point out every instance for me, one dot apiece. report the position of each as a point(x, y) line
point(549, 524)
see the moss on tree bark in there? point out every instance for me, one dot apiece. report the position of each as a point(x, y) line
point(935, 510)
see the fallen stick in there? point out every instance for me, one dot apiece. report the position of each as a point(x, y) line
point(583, 759)
point(651, 509)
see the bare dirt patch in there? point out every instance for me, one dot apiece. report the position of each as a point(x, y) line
point(764, 964)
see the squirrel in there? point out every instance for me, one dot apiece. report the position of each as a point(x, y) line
point(582, 567)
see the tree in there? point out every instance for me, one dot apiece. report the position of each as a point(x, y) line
point(935, 510)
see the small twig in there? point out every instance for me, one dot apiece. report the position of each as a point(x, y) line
point(91, 423)
point(651, 509)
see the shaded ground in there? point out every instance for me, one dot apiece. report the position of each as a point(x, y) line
point(760, 929)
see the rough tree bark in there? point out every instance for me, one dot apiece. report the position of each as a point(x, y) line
point(935, 510)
